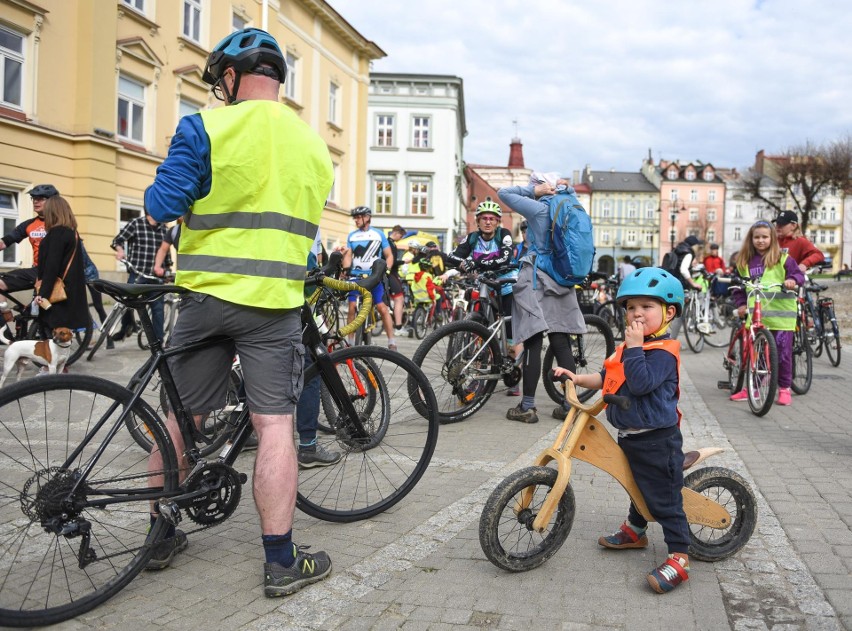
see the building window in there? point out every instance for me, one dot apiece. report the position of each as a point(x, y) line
point(333, 96)
point(833, 215)
point(693, 214)
point(711, 214)
point(131, 109)
point(335, 185)
point(693, 195)
point(11, 66)
point(649, 238)
point(650, 210)
point(9, 218)
point(420, 132)
point(631, 210)
point(831, 237)
point(383, 189)
point(672, 173)
point(711, 235)
point(605, 236)
point(689, 175)
point(290, 81)
point(606, 209)
point(673, 195)
point(237, 23)
point(139, 5)
point(738, 234)
point(419, 189)
point(192, 20)
point(631, 236)
point(711, 196)
point(738, 211)
point(127, 213)
point(187, 108)
point(708, 175)
point(384, 130)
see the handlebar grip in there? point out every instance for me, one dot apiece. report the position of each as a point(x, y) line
point(333, 265)
point(618, 401)
point(560, 379)
point(376, 274)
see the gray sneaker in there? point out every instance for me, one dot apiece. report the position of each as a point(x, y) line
point(559, 413)
point(317, 456)
point(166, 550)
point(524, 416)
point(308, 568)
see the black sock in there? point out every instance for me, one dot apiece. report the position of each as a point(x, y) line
point(279, 549)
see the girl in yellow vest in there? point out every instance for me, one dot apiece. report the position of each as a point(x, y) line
point(761, 257)
point(646, 370)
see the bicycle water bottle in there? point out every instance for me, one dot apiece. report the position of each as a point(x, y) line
point(34, 308)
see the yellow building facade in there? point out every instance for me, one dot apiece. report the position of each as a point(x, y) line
point(92, 91)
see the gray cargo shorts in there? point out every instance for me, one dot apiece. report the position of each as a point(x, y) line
point(269, 342)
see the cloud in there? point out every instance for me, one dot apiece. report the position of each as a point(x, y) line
point(602, 82)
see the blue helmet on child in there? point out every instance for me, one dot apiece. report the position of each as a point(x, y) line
point(652, 282)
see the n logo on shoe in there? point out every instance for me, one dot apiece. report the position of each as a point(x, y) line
point(308, 566)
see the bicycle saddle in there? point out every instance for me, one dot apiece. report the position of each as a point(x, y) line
point(125, 292)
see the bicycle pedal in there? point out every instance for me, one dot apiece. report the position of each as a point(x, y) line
point(723, 385)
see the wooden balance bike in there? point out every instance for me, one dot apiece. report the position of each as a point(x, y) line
point(529, 515)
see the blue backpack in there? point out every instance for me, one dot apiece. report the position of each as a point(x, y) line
point(569, 256)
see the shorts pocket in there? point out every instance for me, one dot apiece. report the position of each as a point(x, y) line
point(297, 371)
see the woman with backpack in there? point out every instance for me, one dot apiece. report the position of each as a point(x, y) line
point(540, 302)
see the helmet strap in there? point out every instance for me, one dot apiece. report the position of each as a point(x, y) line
point(665, 327)
point(229, 97)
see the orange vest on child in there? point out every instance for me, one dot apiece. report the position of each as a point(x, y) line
point(614, 367)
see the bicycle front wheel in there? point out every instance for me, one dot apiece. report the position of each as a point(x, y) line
point(803, 361)
point(762, 378)
point(462, 366)
point(418, 322)
point(74, 522)
point(80, 342)
point(831, 333)
point(590, 350)
point(384, 452)
point(733, 361)
point(691, 324)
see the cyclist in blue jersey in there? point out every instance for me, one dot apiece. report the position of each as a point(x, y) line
point(364, 246)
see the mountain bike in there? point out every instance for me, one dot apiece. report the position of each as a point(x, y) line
point(74, 523)
point(529, 514)
point(752, 358)
point(820, 322)
point(25, 325)
point(803, 360)
point(700, 320)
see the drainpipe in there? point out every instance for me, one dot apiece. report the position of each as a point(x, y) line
point(264, 8)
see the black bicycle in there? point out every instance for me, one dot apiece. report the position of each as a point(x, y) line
point(26, 326)
point(77, 492)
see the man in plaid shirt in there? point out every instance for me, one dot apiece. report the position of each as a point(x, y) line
point(142, 237)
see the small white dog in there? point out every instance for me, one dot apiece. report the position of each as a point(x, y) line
point(52, 353)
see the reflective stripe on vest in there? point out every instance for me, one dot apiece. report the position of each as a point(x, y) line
point(614, 366)
point(777, 308)
point(247, 241)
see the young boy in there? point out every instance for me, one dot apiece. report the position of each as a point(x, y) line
point(645, 370)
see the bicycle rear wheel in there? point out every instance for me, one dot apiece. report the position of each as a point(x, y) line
point(831, 333)
point(65, 504)
point(80, 342)
point(803, 361)
point(418, 322)
point(694, 337)
point(590, 350)
point(378, 470)
point(107, 327)
point(762, 378)
point(462, 366)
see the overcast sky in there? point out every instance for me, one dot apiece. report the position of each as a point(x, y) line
point(600, 82)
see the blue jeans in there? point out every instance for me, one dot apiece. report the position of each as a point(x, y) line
point(308, 407)
point(157, 316)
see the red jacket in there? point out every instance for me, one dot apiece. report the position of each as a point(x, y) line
point(802, 250)
point(712, 263)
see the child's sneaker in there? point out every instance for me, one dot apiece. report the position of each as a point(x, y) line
point(669, 575)
point(624, 539)
point(785, 397)
point(742, 395)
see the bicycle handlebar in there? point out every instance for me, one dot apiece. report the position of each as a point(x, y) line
point(364, 286)
point(130, 268)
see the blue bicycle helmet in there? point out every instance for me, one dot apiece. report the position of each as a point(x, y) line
point(652, 282)
point(244, 51)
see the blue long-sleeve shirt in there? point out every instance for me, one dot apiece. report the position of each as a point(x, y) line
point(651, 384)
point(185, 175)
point(522, 200)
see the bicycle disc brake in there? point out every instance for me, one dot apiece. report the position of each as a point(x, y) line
point(222, 489)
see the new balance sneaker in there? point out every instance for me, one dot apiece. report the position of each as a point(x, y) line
point(624, 539)
point(317, 456)
point(669, 575)
point(308, 568)
point(166, 550)
point(524, 416)
point(785, 397)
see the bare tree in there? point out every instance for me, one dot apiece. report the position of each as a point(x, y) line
point(804, 174)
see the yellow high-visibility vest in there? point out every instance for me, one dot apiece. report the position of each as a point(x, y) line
point(248, 240)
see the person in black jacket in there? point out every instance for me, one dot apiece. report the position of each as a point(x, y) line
point(61, 250)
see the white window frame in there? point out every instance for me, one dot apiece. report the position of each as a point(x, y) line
point(9, 218)
point(235, 18)
point(421, 131)
point(693, 214)
point(673, 195)
point(385, 130)
point(290, 87)
point(649, 237)
point(419, 201)
point(9, 55)
point(738, 234)
point(693, 195)
point(671, 173)
point(138, 5)
point(127, 208)
point(384, 191)
point(191, 27)
point(711, 195)
point(708, 175)
point(606, 209)
point(738, 211)
point(333, 102)
point(605, 236)
point(131, 116)
point(632, 210)
point(631, 236)
point(711, 214)
point(650, 210)
point(711, 235)
point(689, 175)
point(187, 108)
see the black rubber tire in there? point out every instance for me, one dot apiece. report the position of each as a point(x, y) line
point(373, 476)
point(763, 379)
point(831, 334)
point(734, 493)
point(694, 338)
point(598, 344)
point(418, 322)
point(106, 329)
point(803, 361)
point(49, 586)
point(443, 355)
point(216, 426)
point(499, 526)
point(613, 314)
point(80, 343)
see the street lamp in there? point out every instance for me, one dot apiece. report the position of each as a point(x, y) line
point(673, 211)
